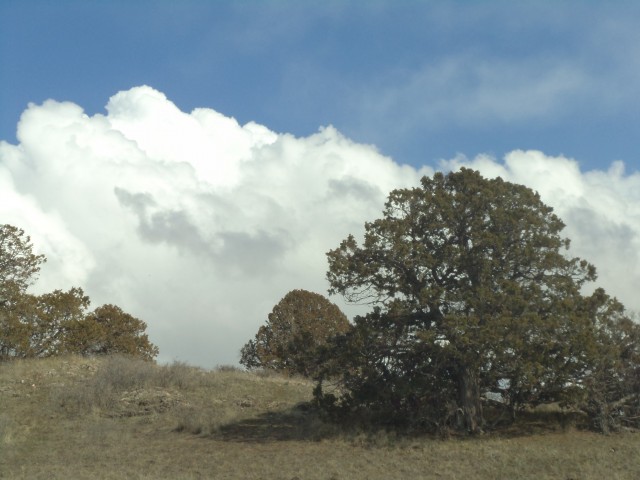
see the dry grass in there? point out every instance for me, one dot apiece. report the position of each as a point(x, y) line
point(116, 418)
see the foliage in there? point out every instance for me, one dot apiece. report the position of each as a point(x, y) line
point(611, 381)
point(41, 323)
point(57, 322)
point(473, 295)
point(299, 324)
point(18, 264)
point(109, 330)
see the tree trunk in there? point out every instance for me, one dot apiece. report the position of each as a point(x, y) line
point(469, 402)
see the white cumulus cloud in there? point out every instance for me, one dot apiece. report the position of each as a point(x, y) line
point(194, 223)
point(199, 225)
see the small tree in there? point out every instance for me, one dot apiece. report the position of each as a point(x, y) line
point(299, 324)
point(109, 330)
point(52, 319)
point(58, 323)
point(473, 293)
point(19, 267)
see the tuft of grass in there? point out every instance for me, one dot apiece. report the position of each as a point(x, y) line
point(207, 422)
point(6, 429)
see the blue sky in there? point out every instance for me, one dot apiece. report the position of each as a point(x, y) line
point(193, 161)
point(420, 80)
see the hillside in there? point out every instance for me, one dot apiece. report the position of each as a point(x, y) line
point(115, 418)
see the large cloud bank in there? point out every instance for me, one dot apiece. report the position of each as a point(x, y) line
point(199, 225)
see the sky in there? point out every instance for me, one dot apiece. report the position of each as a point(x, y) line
point(194, 161)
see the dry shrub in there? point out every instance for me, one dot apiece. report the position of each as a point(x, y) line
point(228, 368)
point(180, 375)
point(119, 373)
point(100, 392)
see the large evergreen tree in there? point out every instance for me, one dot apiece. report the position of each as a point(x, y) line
point(473, 293)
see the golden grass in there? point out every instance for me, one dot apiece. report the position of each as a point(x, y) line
point(114, 418)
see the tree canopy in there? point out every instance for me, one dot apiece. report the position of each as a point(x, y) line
point(473, 293)
point(299, 324)
point(57, 322)
point(18, 264)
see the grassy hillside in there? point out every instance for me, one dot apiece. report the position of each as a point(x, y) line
point(116, 418)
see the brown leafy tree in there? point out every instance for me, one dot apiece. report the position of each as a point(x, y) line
point(15, 334)
point(57, 322)
point(110, 330)
point(18, 264)
point(299, 324)
point(473, 294)
point(50, 320)
point(38, 325)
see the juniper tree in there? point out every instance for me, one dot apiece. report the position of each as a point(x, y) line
point(474, 292)
point(298, 325)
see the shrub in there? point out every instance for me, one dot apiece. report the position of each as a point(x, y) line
point(298, 326)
